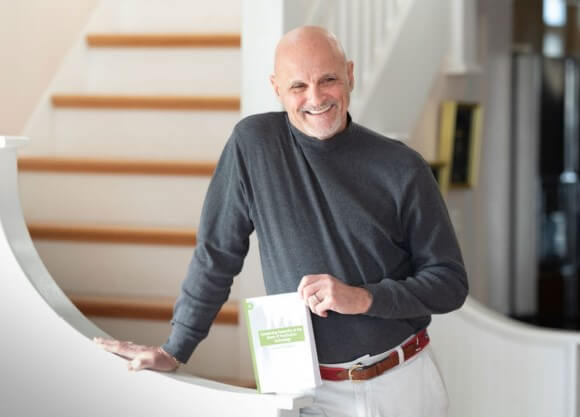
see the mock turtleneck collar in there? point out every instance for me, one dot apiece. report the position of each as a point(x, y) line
point(323, 145)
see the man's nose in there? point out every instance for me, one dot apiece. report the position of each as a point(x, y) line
point(316, 96)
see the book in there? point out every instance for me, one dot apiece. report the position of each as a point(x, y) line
point(282, 343)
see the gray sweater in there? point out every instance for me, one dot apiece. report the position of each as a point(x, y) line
point(361, 207)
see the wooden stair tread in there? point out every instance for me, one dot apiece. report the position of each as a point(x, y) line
point(114, 166)
point(146, 102)
point(164, 40)
point(144, 308)
point(113, 234)
point(126, 166)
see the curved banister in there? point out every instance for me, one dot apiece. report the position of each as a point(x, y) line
point(497, 366)
point(483, 317)
point(51, 367)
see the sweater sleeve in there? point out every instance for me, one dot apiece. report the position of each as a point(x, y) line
point(222, 244)
point(439, 281)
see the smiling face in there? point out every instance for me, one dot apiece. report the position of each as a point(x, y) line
point(313, 81)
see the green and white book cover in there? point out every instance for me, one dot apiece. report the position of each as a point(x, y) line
point(282, 343)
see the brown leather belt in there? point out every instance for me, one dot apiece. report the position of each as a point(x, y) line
point(358, 372)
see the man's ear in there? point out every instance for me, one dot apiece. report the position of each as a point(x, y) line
point(274, 85)
point(350, 74)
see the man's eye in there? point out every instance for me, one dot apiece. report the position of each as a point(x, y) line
point(329, 79)
point(297, 86)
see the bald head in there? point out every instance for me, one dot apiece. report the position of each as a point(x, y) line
point(307, 40)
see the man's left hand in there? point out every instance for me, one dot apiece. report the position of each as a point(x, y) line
point(323, 292)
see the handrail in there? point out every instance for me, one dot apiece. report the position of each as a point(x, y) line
point(494, 365)
point(481, 316)
point(52, 355)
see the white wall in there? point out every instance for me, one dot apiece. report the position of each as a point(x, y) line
point(35, 35)
point(480, 215)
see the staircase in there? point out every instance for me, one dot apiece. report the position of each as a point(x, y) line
point(125, 141)
point(112, 185)
point(126, 138)
point(51, 356)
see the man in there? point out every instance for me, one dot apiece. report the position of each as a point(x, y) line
point(352, 220)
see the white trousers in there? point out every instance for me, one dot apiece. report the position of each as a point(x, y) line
point(413, 389)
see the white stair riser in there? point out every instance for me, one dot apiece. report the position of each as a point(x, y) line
point(118, 269)
point(140, 134)
point(128, 200)
point(168, 16)
point(179, 71)
point(217, 356)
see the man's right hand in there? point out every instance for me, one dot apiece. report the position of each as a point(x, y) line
point(139, 356)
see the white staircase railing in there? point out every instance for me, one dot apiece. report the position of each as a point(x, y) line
point(496, 366)
point(364, 29)
point(51, 367)
point(398, 48)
